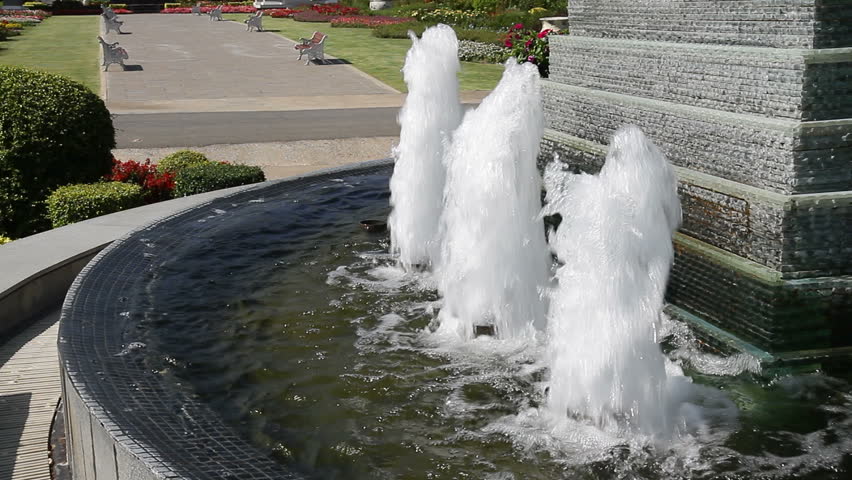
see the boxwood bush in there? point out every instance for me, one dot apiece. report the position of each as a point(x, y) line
point(213, 176)
point(73, 203)
point(179, 160)
point(53, 132)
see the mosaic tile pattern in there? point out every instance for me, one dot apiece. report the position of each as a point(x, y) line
point(150, 420)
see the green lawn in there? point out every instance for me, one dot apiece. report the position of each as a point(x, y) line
point(380, 57)
point(66, 45)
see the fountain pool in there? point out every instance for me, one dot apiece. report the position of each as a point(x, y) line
point(270, 319)
point(305, 338)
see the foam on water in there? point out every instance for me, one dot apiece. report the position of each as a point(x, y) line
point(494, 261)
point(431, 112)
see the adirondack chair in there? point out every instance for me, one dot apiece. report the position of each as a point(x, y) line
point(112, 23)
point(312, 47)
point(215, 13)
point(112, 54)
point(255, 22)
point(196, 9)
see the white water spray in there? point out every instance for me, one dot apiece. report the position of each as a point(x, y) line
point(615, 247)
point(494, 258)
point(430, 114)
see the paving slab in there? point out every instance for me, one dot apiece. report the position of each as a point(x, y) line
point(188, 57)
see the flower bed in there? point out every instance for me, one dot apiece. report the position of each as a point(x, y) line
point(311, 16)
point(35, 15)
point(333, 9)
point(529, 46)
point(156, 185)
point(281, 12)
point(205, 9)
point(367, 21)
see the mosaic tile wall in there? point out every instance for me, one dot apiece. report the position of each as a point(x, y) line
point(751, 101)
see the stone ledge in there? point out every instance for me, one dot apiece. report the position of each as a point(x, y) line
point(746, 80)
point(792, 236)
point(37, 270)
point(780, 155)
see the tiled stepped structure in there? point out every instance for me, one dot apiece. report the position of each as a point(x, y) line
point(751, 100)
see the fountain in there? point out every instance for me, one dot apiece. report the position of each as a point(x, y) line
point(431, 112)
point(307, 352)
point(615, 250)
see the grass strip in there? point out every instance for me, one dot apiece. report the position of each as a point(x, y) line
point(381, 58)
point(67, 45)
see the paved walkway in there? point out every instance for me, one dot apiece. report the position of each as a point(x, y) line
point(29, 392)
point(197, 62)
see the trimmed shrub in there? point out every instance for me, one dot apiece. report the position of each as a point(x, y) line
point(214, 176)
point(181, 159)
point(400, 30)
point(53, 131)
point(74, 203)
point(36, 6)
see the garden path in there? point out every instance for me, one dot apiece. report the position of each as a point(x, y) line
point(198, 62)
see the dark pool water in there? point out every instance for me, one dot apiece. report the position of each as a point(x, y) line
point(289, 321)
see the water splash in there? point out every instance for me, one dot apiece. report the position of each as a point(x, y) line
point(615, 248)
point(494, 258)
point(430, 113)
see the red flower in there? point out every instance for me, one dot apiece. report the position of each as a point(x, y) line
point(544, 33)
point(518, 26)
point(508, 43)
point(528, 43)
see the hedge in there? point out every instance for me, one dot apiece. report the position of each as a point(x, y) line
point(53, 132)
point(400, 30)
point(213, 176)
point(180, 160)
point(74, 203)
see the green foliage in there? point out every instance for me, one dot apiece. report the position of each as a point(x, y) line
point(36, 6)
point(74, 203)
point(401, 31)
point(172, 5)
point(214, 176)
point(53, 132)
point(118, 5)
point(4, 240)
point(180, 160)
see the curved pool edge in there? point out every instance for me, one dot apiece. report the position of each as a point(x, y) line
point(125, 423)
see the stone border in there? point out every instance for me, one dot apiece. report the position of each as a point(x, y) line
point(123, 420)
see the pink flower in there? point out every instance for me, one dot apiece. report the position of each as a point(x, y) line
point(528, 43)
point(544, 33)
point(518, 26)
point(531, 59)
point(508, 43)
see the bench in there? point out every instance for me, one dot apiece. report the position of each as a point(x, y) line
point(312, 47)
point(255, 22)
point(215, 13)
point(107, 12)
point(112, 23)
point(113, 54)
point(196, 9)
